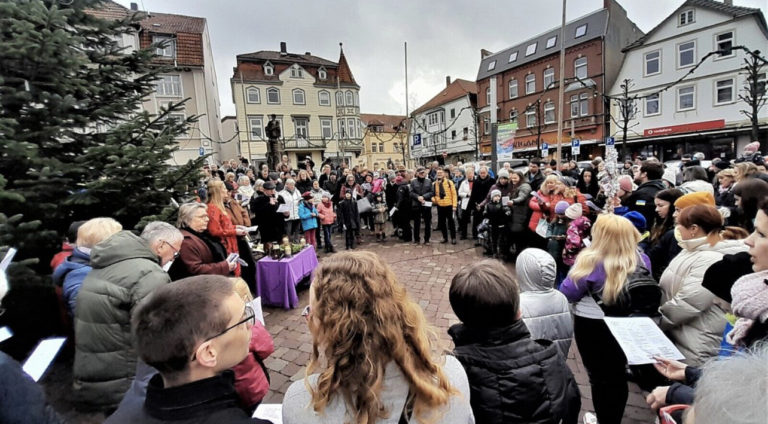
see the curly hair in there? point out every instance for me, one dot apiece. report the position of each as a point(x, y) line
point(363, 318)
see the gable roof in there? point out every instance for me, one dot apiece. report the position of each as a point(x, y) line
point(388, 122)
point(458, 88)
point(717, 6)
point(166, 23)
point(277, 57)
point(345, 74)
point(597, 24)
point(109, 10)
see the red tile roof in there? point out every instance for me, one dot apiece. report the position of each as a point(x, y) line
point(388, 122)
point(345, 74)
point(166, 23)
point(109, 10)
point(458, 88)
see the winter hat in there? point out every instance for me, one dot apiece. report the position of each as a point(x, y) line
point(637, 219)
point(325, 195)
point(561, 206)
point(307, 195)
point(495, 193)
point(722, 164)
point(670, 176)
point(625, 183)
point(503, 173)
point(574, 211)
point(752, 147)
point(696, 198)
point(398, 179)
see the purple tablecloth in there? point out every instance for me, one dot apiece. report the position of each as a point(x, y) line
point(276, 280)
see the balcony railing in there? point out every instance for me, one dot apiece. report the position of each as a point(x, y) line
point(304, 143)
point(347, 110)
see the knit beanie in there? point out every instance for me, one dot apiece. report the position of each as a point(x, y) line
point(625, 183)
point(495, 193)
point(574, 211)
point(752, 147)
point(696, 198)
point(670, 176)
point(561, 206)
point(503, 173)
point(637, 219)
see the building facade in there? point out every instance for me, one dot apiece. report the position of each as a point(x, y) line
point(385, 141)
point(701, 112)
point(316, 101)
point(522, 84)
point(444, 128)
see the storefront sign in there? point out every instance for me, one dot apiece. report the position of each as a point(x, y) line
point(684, 128)
point(505, 140)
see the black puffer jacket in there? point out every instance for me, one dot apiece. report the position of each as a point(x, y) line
point(514, 379)
point(421, 188)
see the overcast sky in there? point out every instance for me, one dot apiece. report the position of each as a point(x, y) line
point(444, 38)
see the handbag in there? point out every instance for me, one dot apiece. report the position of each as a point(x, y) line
point(542, 227)
point(364, 205)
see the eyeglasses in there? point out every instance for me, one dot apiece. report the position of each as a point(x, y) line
point(306, 311)
point(249, 321)
point(175, 252)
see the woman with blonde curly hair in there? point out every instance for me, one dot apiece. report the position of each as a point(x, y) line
point(379, 361)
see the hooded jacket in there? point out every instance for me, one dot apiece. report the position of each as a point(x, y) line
point(641, 200)
point(689, 313)
point(70, 275)
point(125, 271)
point(545, 310)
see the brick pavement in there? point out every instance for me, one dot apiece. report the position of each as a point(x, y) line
point(427, 273)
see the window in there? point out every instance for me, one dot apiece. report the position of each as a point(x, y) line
point(168, 48)
point(381, 148)
point(434, 118)
point(513, 116)
point(686, 17)
point(301, 127)
point(351, 127)
point(530, 83)
point(253, 95)
point(326, 127)
point(581, 31)
point(686, 54)
point(551, 41)
point(357, 99)
point(273, 96)
point(350, 98)
point(269, 69)
point(512, 88)
point(465, 133)
point(652, 105)
point(296, 72)
point(531, 49)
point(512, 57)
point(530, 118)
point(298, 96)
point(453, 134)
point(342, 129)
point(724, 91)
point(652, 63)
point(761, 81)
point(339, 98)
point(324, 98)
point(574, 106)
point(373, 147)
point(580, 68)
point(255, 127)
point(724, 42)
point(549, 113)
point(322, 74)
point(486, 126)
point(168, 86)
point(549, 78)
point(686, 98)
point(178, 118)
point(492, 65)
point(488, 96)
point(584, 104)
point(453, 113)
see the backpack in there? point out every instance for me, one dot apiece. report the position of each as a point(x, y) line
point(640, 296)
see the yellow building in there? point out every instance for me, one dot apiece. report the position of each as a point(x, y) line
point(315, 100)
point(385, 140)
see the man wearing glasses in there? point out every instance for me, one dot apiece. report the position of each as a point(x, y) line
point(193, 332)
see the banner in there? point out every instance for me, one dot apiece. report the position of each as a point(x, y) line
point(505, 141)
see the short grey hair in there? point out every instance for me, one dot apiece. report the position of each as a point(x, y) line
point(728, 391)
point(290, 181)
point(258, 184)
point(187, 212)
point(243, 178)
point(159, 230)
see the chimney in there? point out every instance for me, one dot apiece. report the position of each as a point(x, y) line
point(134, 6)
point(447, 80)
point(308, 53)
point(283, 51)
point(484, 53)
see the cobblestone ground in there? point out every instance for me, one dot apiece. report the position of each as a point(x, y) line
point(427, 273)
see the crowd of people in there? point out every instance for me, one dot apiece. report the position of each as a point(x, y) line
point(164, 329)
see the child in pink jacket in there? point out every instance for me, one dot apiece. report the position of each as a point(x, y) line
point(327, 218)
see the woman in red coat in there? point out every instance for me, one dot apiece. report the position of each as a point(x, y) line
point(219, 224)
point(200, 253)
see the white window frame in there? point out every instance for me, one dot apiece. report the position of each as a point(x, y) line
point(453, 113)
point(531, 49)
point(298, 91)
point(680, 53)
point(549, 74)
point(301, 127)
point(583, 104)
point(693, 95)
point(488, 96)
point(342, 127)
point(512, 57)
point(374, 147)
point(169, 50)
point(549, 113)
point(381, 147)
point(530, 118)
point(269, 69)
point(259, 120)
point(339, 98)
point(513, 116)
point(169, 86)
point(271, 90)
point(252, 90)
point(357, 98)
point(717, 89)
point(530, 78)
point(580, 31)
point(649, 99)
point(327, 98)
point(762, 78)
point(551, 41)
point(513, 85)
point(579, 64)
point(491, 65)
point(686, 17)
point(717, 43)
point(349, 98)
point(351, 127)
point(326, 124)
point(574, 102)
point(322, 73)
point(486, 126)
point(296, 72)
point(645, 63)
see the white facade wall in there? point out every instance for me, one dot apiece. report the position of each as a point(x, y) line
point(442, 132)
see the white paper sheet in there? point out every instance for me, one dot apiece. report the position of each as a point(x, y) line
point(641, 339)
point(464, 203)
point(427, 204)
point(256, 306)
point(392, 212)
point(270, 411)
point(283, 208)
point(42, 356)
point(7, 259)
point(5, 334)
point(504, 200)
point(252, 229)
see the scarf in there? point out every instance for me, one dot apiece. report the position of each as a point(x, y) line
point(439, 188)
point(218, 251)
point(750, 304)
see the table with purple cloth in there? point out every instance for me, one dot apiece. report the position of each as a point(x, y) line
point(276, 280)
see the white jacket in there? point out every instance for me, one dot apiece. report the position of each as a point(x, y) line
point(464, 193)
point(292, 200)
point(690, 315)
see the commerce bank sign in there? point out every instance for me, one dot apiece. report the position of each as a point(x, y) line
point(685, 128)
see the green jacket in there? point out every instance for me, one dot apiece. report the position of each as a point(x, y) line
point(125, 270)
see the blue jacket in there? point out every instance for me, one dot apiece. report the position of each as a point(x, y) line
point(308, 222)
point(21, 399)
point(70, 275)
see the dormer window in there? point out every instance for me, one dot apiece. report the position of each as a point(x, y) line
point(269, 69)
point(512, 57)
point(551, 41)
point(492, 65)
point(687, 17)
point(322, 74)
point(296, 72)
point(581, 31)
point(166, 46)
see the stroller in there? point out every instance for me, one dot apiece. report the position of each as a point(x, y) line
point(484, 236)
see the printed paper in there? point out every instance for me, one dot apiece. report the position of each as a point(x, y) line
point(641, 340)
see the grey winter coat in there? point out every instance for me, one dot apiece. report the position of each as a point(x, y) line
point(545, 310)
point(125, 270)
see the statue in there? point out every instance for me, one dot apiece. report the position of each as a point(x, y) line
point(273, 148)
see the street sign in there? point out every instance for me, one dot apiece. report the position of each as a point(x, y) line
point(544, 150)
point(610, 141)
point(202, 151)
point(417, 139)
point(575, 147)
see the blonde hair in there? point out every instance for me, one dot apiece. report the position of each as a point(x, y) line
point(230, 176)
point(96, 230)
point(727, 173)
point(550, 179)
point(362, 319)
point(215, 197)
point(614, 245)
point(242, 289)
point(744, 170)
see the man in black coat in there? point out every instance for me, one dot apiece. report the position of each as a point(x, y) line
point(648, 177)
point(534, 175)
point(264, 207)
point(480, 189)
point(421, 195)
